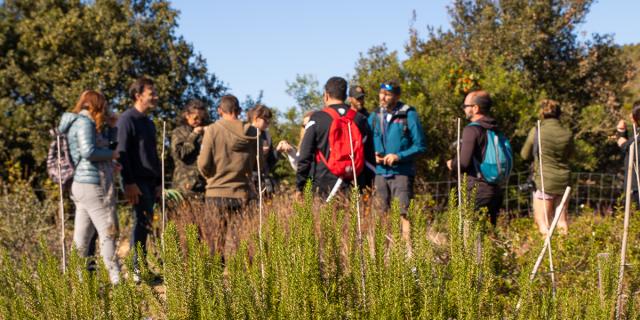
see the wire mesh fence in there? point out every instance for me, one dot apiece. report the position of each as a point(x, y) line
point(590, 191)
point(598, 192)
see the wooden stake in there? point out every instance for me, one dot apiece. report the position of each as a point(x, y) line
point(625, 232)
point(260, 191)
point(459, 180)
point(164, 215)
point(547, 240)
point(546, 218)
point(601, 256)
point(355, 182)
point(61, 204)
point(635, 162)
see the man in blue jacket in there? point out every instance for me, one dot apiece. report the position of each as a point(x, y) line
point(398, 139)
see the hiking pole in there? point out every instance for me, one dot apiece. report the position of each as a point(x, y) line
point(164, 216)
point(544, 209)
point(259, 201)
point(625, 232)
point(459, 180)
point(64, 253)
point(355, 182)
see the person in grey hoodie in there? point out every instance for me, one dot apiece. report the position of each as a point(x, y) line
point(93, 190)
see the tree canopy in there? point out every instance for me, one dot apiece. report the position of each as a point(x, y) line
point(520, 54)
point(52, 50)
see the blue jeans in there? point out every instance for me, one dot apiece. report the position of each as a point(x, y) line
point(142, 218)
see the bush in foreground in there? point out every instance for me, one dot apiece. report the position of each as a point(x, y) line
point(312, 265)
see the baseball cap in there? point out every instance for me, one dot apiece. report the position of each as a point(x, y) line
point(355, 93)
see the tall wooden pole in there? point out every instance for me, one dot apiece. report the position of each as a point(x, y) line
point(625, 230)
point(546, 217)
point(260, 191)
point(61, 204)
point(355, 182)
point(459, 179)
point(164, 214)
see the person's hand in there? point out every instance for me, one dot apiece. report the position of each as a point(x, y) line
point(198, 130)
point(450, 164)
point(379, 158)
point(284, 146)
point(132, 193)
point(112, 120)
point(115, 155)
point(390, 159)
point(117, 167)
point(622, 126)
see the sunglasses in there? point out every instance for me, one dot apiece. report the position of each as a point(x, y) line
point(466, 105)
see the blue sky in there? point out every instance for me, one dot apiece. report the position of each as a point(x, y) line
point(259, 45)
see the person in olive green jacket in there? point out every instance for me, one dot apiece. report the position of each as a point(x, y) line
point(185, 147)
point(557, 146)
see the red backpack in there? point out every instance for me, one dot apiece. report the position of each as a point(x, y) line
point(339, 162)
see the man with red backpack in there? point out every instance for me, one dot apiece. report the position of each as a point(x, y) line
point(334, 144)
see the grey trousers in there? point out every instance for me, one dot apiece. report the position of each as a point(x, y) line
point(92, 211)
point(397, 186)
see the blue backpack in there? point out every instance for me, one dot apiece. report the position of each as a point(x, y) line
point(498, 157)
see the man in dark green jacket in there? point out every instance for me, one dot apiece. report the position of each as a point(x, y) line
point(398, 139)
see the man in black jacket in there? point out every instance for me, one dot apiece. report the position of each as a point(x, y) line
point(357, 101)
point(141, 173)
point(477, 106)
point(316, 139)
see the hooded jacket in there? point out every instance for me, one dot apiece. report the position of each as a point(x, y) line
point(399, 133)
point(472, 149)
point(81, 135)
point(227, 158)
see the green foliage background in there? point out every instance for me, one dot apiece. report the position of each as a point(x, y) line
point(52, 50)
point(520, 54)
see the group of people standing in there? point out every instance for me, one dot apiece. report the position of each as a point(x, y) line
point(101, 145)
point(220, 159)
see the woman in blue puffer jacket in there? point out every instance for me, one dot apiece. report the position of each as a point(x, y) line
point(93, 190)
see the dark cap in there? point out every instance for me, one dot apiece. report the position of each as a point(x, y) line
point(356, 92)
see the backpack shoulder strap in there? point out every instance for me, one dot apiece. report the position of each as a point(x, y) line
point(405, 109)
point(351, 114)
point(474, 124)
point(331, 112)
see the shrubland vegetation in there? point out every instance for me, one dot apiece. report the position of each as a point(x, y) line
point(310, 266)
